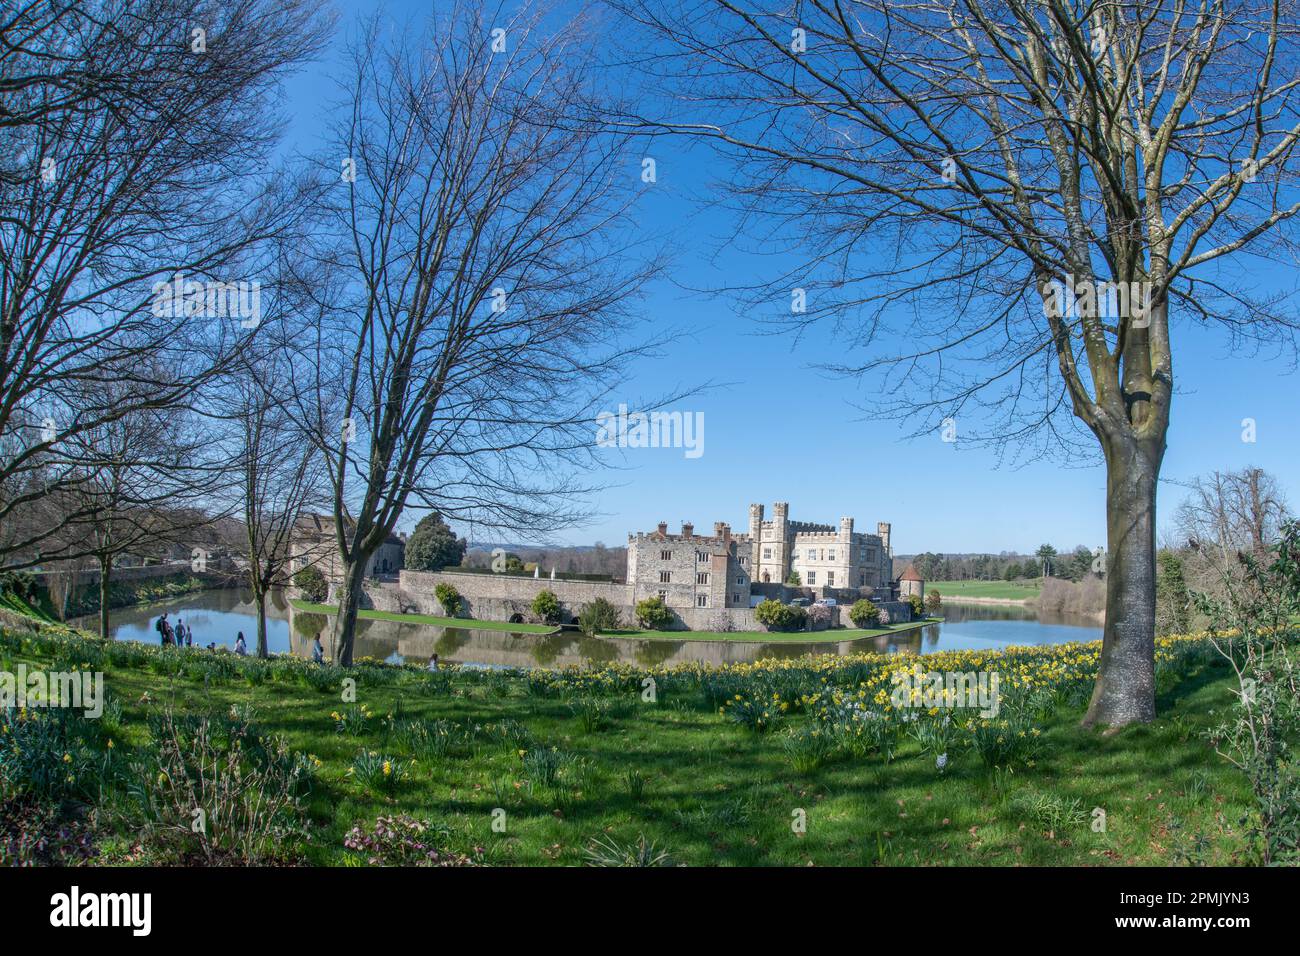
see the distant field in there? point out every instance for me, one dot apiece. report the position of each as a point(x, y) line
point(1002, 590)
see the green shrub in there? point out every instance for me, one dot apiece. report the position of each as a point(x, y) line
point(1050, 811)
point(652, 614)
point(918, 609)
point(933, 600)
point(353, 720)
point(381, 773)
point(753, 713)
point(808, 748)
point(542, 766)
point(599, 615)
point(864, 614)
point(1001, 743)
point(546, 607)
point(634, 784)
point(21, 584)
point(780, 617)
point(312, 584)
point(52, 754)
point(449, 598)
point(248, 786)
point(592, 712)
point(608, 851)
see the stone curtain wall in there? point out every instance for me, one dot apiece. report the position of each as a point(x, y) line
point(498, 597)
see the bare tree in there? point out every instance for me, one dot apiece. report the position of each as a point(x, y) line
point(1227, 515)
point(484, 279)
point(132, 488)
point(135, 195)
point(1008, 202)
point(281, 474)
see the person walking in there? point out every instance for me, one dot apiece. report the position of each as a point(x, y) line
point(317, 651)
point(161, 628)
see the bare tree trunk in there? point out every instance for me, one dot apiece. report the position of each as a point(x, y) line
point(105, 565)
point(259, 598)
point(349, 597)
point(1125, 688)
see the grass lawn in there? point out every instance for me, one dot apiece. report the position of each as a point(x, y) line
point(465, 622)
point(1002, 590)
point(557, 771)
point(773, 637)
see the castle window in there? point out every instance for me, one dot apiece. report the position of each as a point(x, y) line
point(702, 577)
point(663, 595)
point(665, 577)
point(871, 554)
point(830, 556)
point(701, 556)
point(701, 600)
point(735, 599)
point(812, 577)
point(740, 579)
point(862, 579)
point(830, 579)
point(767, 552)
point(665, 555)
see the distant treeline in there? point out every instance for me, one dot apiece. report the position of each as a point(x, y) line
point(596, 559)
point(1074, 565)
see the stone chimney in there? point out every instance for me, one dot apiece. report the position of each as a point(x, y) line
point(663, 529)
point(688, 529)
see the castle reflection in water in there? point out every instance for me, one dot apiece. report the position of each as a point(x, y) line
point(384, 639)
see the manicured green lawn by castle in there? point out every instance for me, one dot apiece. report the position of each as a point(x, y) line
point(709, 791)
point(1001, 590)
point(330, 610)
point(773, 637)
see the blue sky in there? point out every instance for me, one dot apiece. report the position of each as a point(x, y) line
point(783, 430)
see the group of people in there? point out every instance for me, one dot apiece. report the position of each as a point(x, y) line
point(178, 636)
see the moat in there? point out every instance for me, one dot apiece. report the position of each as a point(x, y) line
point(218, 615)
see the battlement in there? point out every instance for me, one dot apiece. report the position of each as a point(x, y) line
point(769, 551)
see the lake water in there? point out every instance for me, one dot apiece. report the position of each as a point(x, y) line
point(220, 614)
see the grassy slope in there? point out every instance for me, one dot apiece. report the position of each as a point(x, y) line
point(1002, 590)
point(719, 794)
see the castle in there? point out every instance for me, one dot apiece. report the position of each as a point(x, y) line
point(721, 570)
point(710, 582)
